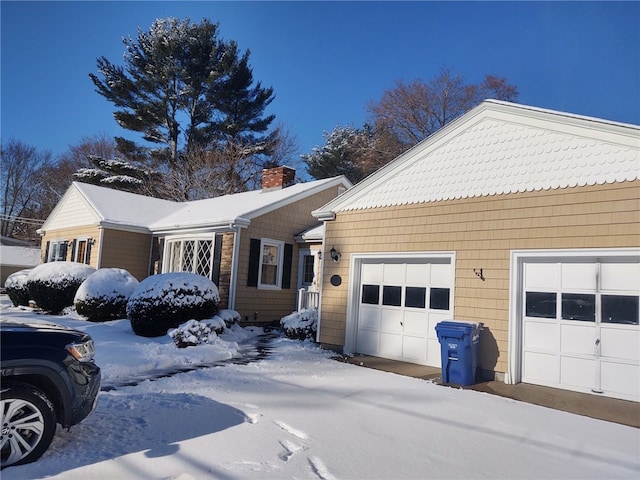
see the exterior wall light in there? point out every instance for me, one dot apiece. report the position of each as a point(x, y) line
point(335, 255)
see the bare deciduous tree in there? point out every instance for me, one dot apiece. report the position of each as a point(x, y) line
point(22, 180)
point(413, 111)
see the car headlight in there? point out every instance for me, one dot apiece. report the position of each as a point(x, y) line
point(83, 351)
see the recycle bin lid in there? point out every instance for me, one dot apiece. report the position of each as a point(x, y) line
point(451, 323)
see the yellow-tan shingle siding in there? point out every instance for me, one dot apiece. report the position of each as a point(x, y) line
point(128, 250)
point(282, 224)
point(482, 232)
point(70, 234)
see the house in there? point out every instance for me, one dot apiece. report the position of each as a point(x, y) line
point(524, 219)
point(245, 242)
point(16, 255)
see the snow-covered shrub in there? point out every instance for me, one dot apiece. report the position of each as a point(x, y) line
point(301, 325)
point(53, 285)
point(196, 332)
point(193, 333)
point(16, 287)
point(166, 300)
point(103, 295)
point(229, 317)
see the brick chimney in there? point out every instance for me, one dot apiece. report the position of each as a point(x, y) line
point(277, 178)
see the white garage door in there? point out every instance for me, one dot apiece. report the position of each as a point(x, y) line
point(580, 326)
point(400, 302)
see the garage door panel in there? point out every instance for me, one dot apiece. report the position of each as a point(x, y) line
point(414, 348)
point(391, 320)
point(621, 277)
point(580, 276)
point(390, 345)
point(371, 273)
point(441, 274)
point(418, 275)
point(620, 343)
point(416, 323)
point(621, 378)
point(541, 335)
point(368, 342)
point(539, 276)
point(578, 372)
point(394, 274)
point(369, 317)
point(540, 367)
point(578, 339)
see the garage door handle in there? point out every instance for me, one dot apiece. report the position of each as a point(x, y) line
point(597, 341)
point(401, 324)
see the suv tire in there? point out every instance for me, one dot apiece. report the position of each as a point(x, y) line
point(28, 424)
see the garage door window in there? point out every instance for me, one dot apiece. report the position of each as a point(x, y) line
point(392, 296)
point(540, 305)
point(439, 299)
point(416, 297)
point(579, 306)
point(370, 294)
point(620, 309)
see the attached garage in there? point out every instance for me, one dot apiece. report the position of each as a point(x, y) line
point(577, 321)
point(398, 300)
point(524, 219)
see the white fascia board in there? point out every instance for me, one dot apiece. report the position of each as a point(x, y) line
point(220, 227)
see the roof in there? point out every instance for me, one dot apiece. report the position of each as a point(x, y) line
point(240, 208)
point(118, 209)
point(498, 148)
point(19, 256)
point(311, 235)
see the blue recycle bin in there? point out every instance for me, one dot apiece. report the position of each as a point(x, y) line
point(459, 343)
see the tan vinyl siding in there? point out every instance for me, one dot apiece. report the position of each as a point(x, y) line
point(128, 250)
point(481, 232)
point(70, 234)
point(282, 224)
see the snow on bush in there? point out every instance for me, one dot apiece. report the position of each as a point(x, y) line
point(166, 300)
point(301, 325)
point(103, 295)
point(53, 285)
point(196, 332)
point(16, 287)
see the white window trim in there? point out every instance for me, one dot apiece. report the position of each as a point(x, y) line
point(279, 262)
point(52, 247)
point(167, 259)
point(86, 248)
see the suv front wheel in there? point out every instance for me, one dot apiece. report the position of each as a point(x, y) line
point(28, 424)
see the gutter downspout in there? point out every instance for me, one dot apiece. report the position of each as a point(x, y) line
point(234, 267)
point(321, 281)
point(99, 261)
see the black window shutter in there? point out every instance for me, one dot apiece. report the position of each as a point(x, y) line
point(217, 257)
point(286, 265)
point(254, 262)
point(46, 252)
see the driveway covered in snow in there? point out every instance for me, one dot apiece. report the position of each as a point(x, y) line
point(300, 414)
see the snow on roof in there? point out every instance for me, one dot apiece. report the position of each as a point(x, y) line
point(124, 208)
point(19, 256)
point(115, 207)
point(314, 234)
point(239, 207)
point(497, 148)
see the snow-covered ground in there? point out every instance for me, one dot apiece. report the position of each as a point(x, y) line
point(300, 415)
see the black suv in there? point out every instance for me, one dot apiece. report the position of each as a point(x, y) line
point(48, 377)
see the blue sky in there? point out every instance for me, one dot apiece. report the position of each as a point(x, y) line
point(325, 60)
